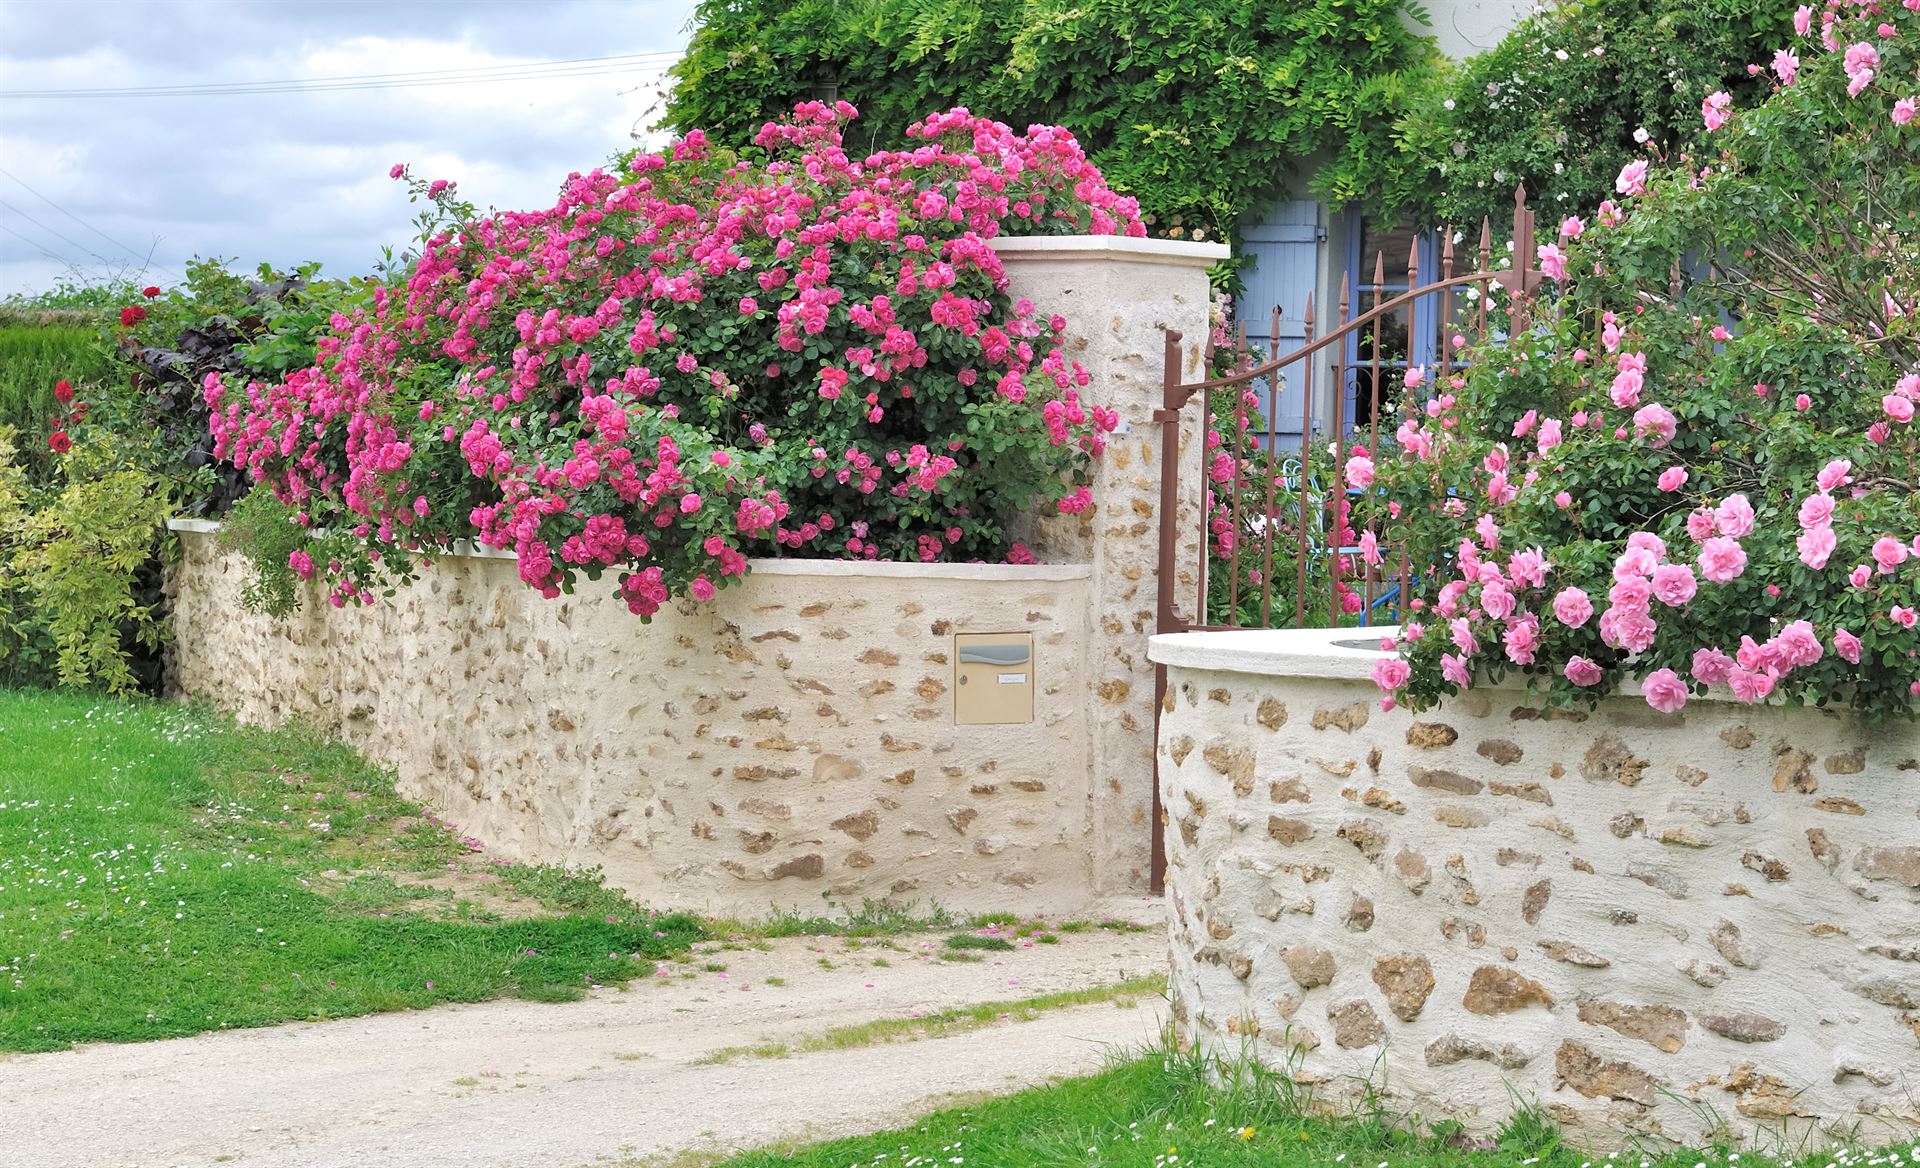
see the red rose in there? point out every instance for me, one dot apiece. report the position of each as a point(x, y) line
point(150, 292)
point(58, 442)
point(62, 392)
point(131, 315)
point(80, 410)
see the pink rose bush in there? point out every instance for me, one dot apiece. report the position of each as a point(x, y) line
point(697, 357)
point(1728, 503)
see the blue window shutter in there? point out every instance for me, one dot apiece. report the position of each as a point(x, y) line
point(1285, 271)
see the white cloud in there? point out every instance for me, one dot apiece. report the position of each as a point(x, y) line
point(288, 177)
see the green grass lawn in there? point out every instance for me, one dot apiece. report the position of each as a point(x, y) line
point(1161, 1111)
point(164, 873)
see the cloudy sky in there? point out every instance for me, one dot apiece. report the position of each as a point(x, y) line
point(98, 182)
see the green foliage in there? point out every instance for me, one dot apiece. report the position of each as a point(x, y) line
point(262, 529)
point(1199, 108)
point(238, 913)
point(71, 559)
point(1556, 104)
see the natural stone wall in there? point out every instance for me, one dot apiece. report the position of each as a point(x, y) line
point(1688, 927)
point(1119, 296)
point(794, 736)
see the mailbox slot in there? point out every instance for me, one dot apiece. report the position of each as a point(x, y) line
point(993, 678)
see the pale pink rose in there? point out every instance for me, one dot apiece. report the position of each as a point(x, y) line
point(1802, 402)
point(1634, 561)
point(1626, 388)
point(1454, 669)
point(1488, 531)
point(1610, 213)
point(1553, 261)
point(1673, 478)
point(1834, 474)
point(1528, 567)
point(1722, 559)
point(1716, 109)
point(1549, 434)
point(1903, 111)
point(1816, 510)
point(1359, 472)
point(1786, 65)
point(1581, 671)
point(1562, 500)
point(1674, 585)
point(1749, 686)
point(1451, 593)
point(1700, 524)
point(1816, 546)
point(1711, 666)
point(1631, 592)
point(1390, 673)
point(1649, 541)
point(1415, 376)
point(1527, 422)
point(1497, 600)
point(1460, 629)
point(1572, 607)
point(1797, 646)
point(1632, 629)
point(1903, 616)
point(1664, 691)
point(1878, 433)
point(1803, 19)
point(1522, 640)
point(1898, 408)
point(1734, 516)
point(1753, 655)
point(1889, 553)
point(1859, 576)
point(1633, 178)
point(1369, 547)
point(1847, 646)
point(1571, 227)
point(1655, 422)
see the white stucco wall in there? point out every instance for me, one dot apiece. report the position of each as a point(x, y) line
point(1465, 27)
point(1690, 927)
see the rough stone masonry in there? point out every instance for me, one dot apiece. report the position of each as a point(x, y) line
point(1696, 926)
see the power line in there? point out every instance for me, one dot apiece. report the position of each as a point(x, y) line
point(38, 246)
point(146, 260)
point(50, 231)
point(471, 75)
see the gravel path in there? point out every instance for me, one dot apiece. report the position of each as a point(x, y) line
point(616, 1078)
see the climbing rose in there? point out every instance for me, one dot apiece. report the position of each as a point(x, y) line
point(1673, 478)
point(1665, 691)
point(1722, 559)
point(1847, 646)
point(1633, 178)
point(1581, 671)
point(1572, 607)
point(1716, 109)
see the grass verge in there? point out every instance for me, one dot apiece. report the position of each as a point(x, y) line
point(164, 873)
point(1169, 1110)
point(954, 1020)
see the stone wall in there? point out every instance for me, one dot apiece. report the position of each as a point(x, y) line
point(1687, 927)
point(794, 736)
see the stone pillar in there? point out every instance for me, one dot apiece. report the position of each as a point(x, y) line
point(1118, 295)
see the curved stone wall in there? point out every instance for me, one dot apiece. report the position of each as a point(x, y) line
point(1697, 926)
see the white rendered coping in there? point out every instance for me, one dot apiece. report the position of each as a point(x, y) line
point(1337, 654)
point(871, 569)
point(1178, 253)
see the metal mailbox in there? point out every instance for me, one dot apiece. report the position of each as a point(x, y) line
point(993, 676)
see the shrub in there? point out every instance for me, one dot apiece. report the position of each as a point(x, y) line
point(1706, 482)
point(692, 359)
point(1567, 98)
